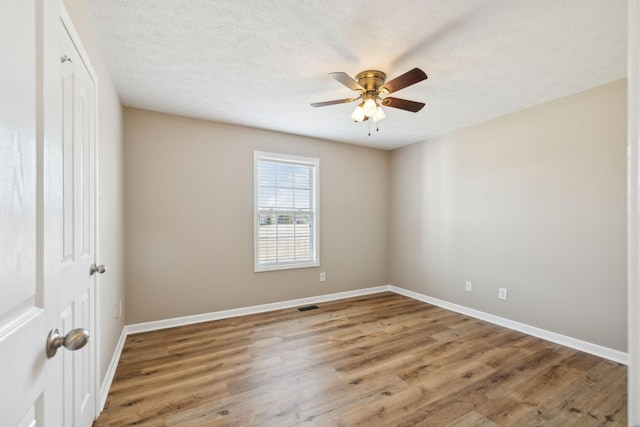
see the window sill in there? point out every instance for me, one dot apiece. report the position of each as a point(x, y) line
point(276, 267)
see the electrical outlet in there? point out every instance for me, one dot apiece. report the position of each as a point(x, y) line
point(323, 277)
point(502, 293)
point(468, 286)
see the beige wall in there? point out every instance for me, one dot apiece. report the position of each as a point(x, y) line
point(110, 286)
point(534, 202)
point(189, 211)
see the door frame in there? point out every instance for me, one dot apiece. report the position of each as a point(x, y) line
point(66, 21)
point(633, 213)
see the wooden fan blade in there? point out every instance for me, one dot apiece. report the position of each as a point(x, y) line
point(407, 79)
point(347, 81)
point(403, 104)
point(337, 101)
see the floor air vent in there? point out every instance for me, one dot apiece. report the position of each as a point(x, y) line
point(307, 308)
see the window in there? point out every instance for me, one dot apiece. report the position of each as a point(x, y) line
point(286, 212)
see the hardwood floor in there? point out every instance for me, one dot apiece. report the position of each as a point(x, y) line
point(376, 360)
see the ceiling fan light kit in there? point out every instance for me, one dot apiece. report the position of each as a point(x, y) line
point(358, 114)
point(370, 85)
point(370, 107)
point(379, 115)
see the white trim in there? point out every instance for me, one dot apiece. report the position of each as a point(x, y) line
point(111, 370)
point(67, 23)
point(243, 311)
point(587, 347)
point(595, 349)
point(633, 214)
point(315, 261)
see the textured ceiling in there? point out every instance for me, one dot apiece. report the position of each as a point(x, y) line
point(261, 63)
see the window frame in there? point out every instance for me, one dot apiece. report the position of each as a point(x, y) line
point(315, 247)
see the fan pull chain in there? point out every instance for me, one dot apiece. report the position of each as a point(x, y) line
point(369, 121)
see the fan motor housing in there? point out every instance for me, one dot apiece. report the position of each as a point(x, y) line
point(371, 80)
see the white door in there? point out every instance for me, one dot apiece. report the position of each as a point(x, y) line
point(30, 215)
point(41, 287)
point(78, 227)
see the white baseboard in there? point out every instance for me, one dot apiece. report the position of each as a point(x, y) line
point(111, 370)
point(243, 311)
point(587, 347)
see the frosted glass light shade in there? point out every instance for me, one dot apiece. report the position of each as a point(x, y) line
point(379, 115)
point(369, 107)
point(358, 114)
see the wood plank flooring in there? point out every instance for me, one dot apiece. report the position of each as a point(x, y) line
point(377, 360)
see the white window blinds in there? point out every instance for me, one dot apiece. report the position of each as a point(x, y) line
point(286, 211)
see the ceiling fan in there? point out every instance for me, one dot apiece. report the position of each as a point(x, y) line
point(371, 85)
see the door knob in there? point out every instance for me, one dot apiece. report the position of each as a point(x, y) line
point(74, 340)
point(97, 269)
